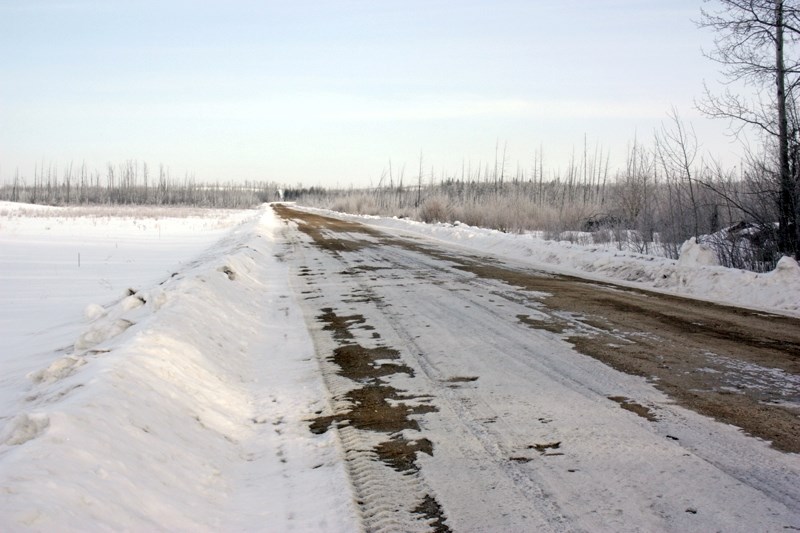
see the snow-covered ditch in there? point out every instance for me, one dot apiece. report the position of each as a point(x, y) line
point(696, 274)
point(157, 373)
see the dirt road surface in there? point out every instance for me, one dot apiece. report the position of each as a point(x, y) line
point(473, 395)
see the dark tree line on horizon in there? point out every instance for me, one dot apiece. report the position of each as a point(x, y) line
point(131, 183)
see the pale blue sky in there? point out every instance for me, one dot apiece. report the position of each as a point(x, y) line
point(327, 92)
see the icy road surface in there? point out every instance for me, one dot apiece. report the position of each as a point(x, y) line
point(469, 395)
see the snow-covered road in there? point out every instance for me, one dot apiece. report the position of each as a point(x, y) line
point(262, 371)
point(495, 421)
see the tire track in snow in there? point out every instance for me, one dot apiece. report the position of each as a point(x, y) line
point(390, 493)
point(481, 430)
point(513, 491)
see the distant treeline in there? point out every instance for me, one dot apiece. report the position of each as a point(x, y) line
point(664, 195)
point(132, 183)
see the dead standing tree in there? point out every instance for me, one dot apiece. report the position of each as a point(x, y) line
point(757, 43)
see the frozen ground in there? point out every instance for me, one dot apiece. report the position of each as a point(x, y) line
point(159, 372)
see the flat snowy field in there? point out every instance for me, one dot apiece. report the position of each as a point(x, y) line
point(141, 389)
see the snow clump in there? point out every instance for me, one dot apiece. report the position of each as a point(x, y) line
point(787, 268)
point(695, 254)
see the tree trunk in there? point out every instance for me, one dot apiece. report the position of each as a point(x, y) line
point(787, 216)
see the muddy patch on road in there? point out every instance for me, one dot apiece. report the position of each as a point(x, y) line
point(738, 366)
point(547, 324)
point(634, 407)
point(327, 232)
point(378, 407)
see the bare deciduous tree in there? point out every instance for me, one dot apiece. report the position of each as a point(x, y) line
point(757, 44)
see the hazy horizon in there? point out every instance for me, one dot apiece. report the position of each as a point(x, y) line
point(325, 93)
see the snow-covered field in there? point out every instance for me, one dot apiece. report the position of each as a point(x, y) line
point(157, 371)
point(142, 388)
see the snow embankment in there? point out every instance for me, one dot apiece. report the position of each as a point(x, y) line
point(181, 406)
point(695, 275)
